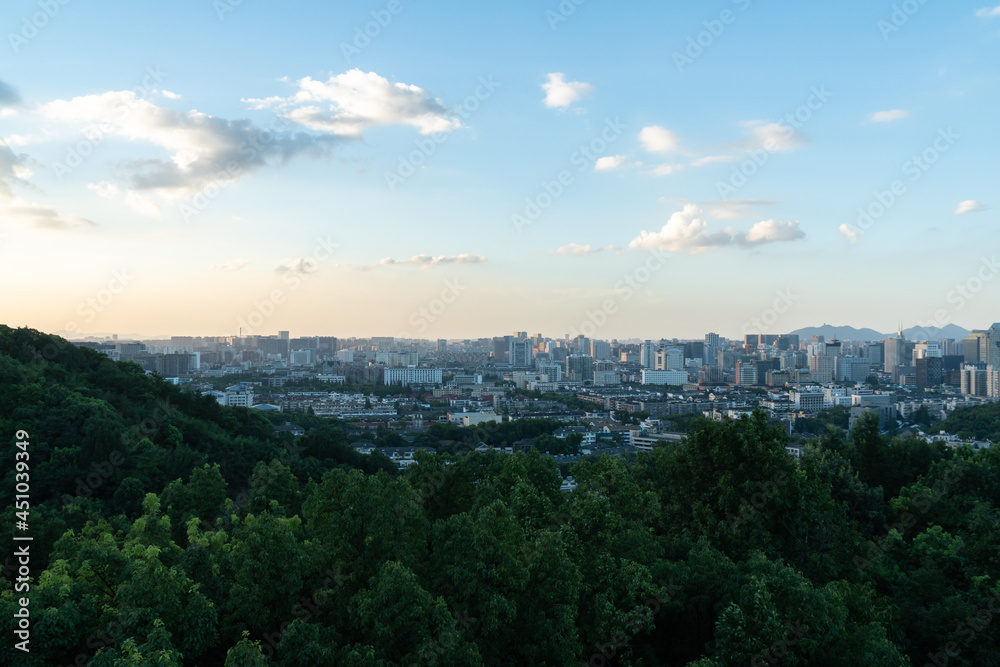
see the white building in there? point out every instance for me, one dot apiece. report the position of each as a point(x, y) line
point(807, 400)
point(239, 396)
point(412, 375)
point(674, 378)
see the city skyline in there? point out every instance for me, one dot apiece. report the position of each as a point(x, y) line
point(443, 171)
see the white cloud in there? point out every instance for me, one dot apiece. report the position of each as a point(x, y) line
point(888, 116)
point(687, 231)
point(428, 261)
point(851, 234)
point(348, 104)
point(200, 146)
point(105, 189)
point(170, 95)
point(12, 169)
point(711, 159)
point(232, 265)
point(656, 139)
point(577, 250)
point(970, 206)
point(300, 266)
point(560, 94)
point(772, 137)
point(988, 11)
point(666, 169)
point(609, 163)
point(40, 217)
point(772, 231)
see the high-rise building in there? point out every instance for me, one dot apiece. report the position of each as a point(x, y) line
point(930, 371)
point(600, 350)
point(647, 351)
point(853, 369)
point(895, 355)
point(746, 373)
point(821, 368)
point(972, 345)
point(580, 368)
point(993, 381)
point(694, 350)
point(974, 379)
point(501, 349)
point(520, 353)
point(669, 359)
point(442, 344)
point(992, 356)
point(606, 373)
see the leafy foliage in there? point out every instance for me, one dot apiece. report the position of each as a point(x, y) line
point(172, 531)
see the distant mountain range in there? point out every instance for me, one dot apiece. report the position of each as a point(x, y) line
point(829, 332)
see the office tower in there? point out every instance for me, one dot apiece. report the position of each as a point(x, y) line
point(895, 354)
point(694, 350)
point(788, 342)
point(580, 368)
point(606, 374)
point(501, 349)
point(833, 348)
point(821, 368)
point(283, 335)
point(992, 356)
point(647, 351)
point(853, 369)
point(520, 353)
point(746, 374)
point(442, 345)
point(930, 371)
point(972, 345)
point(974, 379)
point(600, 350)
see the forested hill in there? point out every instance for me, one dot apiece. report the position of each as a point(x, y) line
point(172, 531)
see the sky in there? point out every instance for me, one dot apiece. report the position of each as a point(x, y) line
point(456, 170)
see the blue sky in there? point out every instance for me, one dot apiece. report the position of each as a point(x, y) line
point(144, 236)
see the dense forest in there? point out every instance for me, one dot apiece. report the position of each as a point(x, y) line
point(168, 530)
